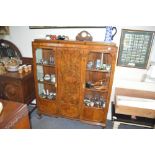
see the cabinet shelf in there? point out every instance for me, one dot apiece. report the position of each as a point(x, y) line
point(96, 90)
point(47, 82)
point(96, 70)
point(46, 99)
point(95, 108)
point(46, 65)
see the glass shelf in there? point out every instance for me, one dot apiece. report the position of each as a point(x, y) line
point(100, 108)
point(46, 69)
point(97, 70)
point(93, 89)
point(48, 65)
point(95, 106)
point(46, 98)
point(47, 82)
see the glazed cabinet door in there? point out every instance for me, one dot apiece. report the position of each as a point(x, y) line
point(70, 62)
point(99, 69)
point(45, 67)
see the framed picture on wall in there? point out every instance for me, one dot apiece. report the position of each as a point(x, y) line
point(135, 48)
point(63, 27)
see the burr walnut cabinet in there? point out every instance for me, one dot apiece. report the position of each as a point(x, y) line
point(74, 79)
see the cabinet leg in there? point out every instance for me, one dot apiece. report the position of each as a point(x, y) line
point(116, 125)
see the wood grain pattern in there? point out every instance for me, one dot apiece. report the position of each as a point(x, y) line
point(69, 77)
point(47, 107)
point(17, 87)
point(135, 93)
point(71, 60)
point(135, 111)
point(126, 110)
point(10, 91)
point(14, 115)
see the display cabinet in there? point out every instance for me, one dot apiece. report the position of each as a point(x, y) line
point(98, 73)
point(74, 79)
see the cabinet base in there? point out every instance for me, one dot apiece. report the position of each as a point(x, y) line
point(40, 114)
point(94, 123)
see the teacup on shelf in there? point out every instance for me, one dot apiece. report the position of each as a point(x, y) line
point(20, 70)
point(47, 77)
point(1, 107)
point(29, 67)
point(26, 69)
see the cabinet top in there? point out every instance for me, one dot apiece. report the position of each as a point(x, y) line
point(74, 42)
point(16, 75)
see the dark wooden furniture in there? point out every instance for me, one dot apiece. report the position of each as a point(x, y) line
point(14, 115)
point(17, 87)
point(130, 114)
point(81, 88)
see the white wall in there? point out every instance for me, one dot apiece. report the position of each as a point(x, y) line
point(22, 36)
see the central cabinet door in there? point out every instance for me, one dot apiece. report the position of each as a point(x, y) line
point(70, 81)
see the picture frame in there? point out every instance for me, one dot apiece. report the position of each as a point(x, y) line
point(63, 27)
point(135, 47)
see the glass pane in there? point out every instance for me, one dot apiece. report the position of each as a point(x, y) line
point(39, 55)
point(98, 69)
point(46, 73)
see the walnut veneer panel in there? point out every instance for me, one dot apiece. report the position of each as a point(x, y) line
point(71, 58)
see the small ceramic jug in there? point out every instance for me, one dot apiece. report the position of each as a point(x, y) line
point(110, 33)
